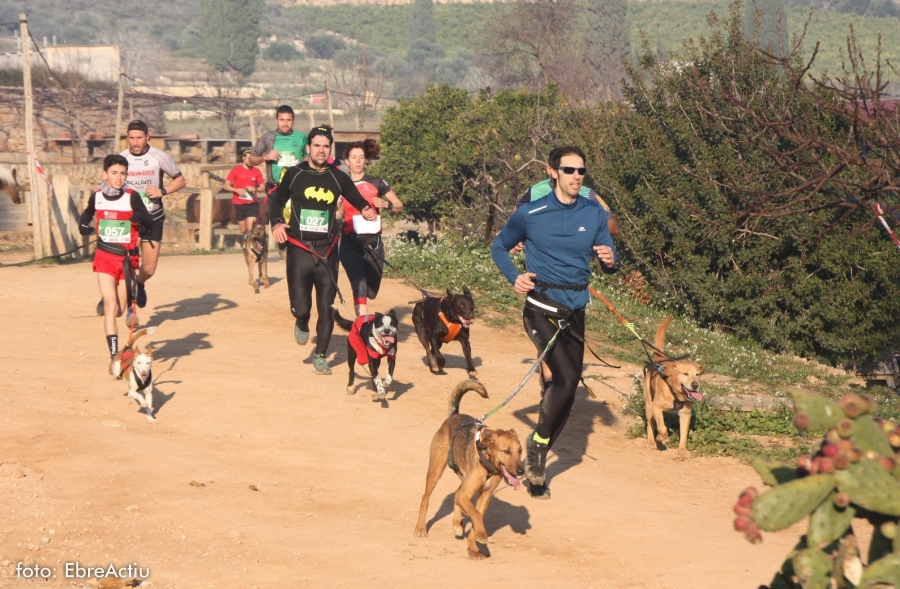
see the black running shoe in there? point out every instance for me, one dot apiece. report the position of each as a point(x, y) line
point(141, 298)
point(539, 491)
point(535, 461)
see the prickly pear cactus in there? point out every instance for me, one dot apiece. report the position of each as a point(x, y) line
point(853, 472)
point(789, 503)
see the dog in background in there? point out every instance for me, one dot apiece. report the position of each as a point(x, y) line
point(439, 320)
point(256, 250)
point(371, 338)
point(480, 456)
point(669, 385)
point(136, 367)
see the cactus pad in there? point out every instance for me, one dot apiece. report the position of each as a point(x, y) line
point(868, 436)
point(813, 567)
point(787, 504)
point(885, 570)
point(828, 523)
point(823, 413)
point(869, 486)
point(773, 472)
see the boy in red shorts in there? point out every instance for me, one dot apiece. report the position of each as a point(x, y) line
point(120, 213)
point(243, 181)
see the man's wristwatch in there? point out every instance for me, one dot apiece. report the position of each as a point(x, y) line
point(164, 191)
point(390, 206)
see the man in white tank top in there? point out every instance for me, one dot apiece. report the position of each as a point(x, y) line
point(146, 167)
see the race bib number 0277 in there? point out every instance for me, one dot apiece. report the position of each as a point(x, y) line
point(112, 231)
point(312, 220)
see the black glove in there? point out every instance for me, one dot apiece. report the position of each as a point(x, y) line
point(85, 229)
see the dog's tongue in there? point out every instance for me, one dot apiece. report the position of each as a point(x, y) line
point(695, 395)
point(389, 339)
point(513, 481)
point(465, 322)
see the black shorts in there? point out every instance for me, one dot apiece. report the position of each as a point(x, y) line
point(241, 212)
point(157, 233)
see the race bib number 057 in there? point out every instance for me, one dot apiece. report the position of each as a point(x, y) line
point(112, 231)
point(312, 220)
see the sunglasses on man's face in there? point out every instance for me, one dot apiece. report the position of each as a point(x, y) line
point(569, 170)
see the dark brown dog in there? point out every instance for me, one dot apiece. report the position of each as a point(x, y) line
point(481, 458)
point(669, 385)
point(436, 318)
point(256, 250)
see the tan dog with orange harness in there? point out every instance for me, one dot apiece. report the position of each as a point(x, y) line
point(439, 320)
point(670, 384)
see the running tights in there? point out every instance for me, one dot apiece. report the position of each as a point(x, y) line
point(304, 271)
point(566, 361)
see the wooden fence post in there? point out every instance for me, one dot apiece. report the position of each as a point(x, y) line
point(206, 211)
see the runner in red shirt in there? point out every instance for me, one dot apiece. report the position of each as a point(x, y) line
point(243, 181)
point(119, 212)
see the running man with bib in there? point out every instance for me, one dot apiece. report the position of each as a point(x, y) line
point(121, 218)
point(312, 231)
point(146, 168)
point(279, 149)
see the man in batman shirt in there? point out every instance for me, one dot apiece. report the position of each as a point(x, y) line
point(312, 190)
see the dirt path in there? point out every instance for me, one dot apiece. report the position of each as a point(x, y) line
point(339, 477)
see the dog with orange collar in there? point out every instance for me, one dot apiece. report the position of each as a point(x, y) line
point(371, 338)
point(439, 320)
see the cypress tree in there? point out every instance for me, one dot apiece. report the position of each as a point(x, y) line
point(421, 22)
point(229, 29)
point(607, 40)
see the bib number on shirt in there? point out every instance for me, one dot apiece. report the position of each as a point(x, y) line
point(315, 221)
point(147, 202)
point(112, 231)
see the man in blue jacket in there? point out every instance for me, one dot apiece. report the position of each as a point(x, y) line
point(561, 233)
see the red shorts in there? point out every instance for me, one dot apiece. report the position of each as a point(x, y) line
point(107, 263)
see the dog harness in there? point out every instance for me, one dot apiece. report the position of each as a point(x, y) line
point(452, 327)
point(483, 456)
point(363, 349)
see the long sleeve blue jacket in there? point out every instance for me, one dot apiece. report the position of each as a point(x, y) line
point(558, 244)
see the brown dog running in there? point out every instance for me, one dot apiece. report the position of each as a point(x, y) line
point(480, 456)
point(439, 320)
point(669, 385)
point(256, 250)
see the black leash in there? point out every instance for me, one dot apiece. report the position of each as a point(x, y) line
point(81, 247)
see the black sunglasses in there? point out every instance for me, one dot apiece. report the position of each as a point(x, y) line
point(569, 170)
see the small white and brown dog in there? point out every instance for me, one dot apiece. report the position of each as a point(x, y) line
point(136, 367)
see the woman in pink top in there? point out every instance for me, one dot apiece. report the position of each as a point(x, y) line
point(362, 251)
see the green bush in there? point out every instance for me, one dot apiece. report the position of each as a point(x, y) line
point(281, 51)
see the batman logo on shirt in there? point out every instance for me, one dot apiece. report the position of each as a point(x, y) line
point(322, 194)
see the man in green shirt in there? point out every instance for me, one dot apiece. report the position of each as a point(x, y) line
point(279, 149)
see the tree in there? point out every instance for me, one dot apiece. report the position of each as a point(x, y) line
point(533, 43)
point(229, 29)
point(421, 22)
point(281, 51)
point(745, 190)
point(608, 43)
point(358, 82)
point(765, 22)
point(452, 156)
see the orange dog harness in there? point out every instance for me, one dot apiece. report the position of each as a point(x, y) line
point(452, 328)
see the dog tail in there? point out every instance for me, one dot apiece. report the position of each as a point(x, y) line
point(345, 324)
point(461, 389)
point(660, 342)
point(134, 337)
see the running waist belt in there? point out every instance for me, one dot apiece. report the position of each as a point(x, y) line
point(538, 301)
point(302, 245)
